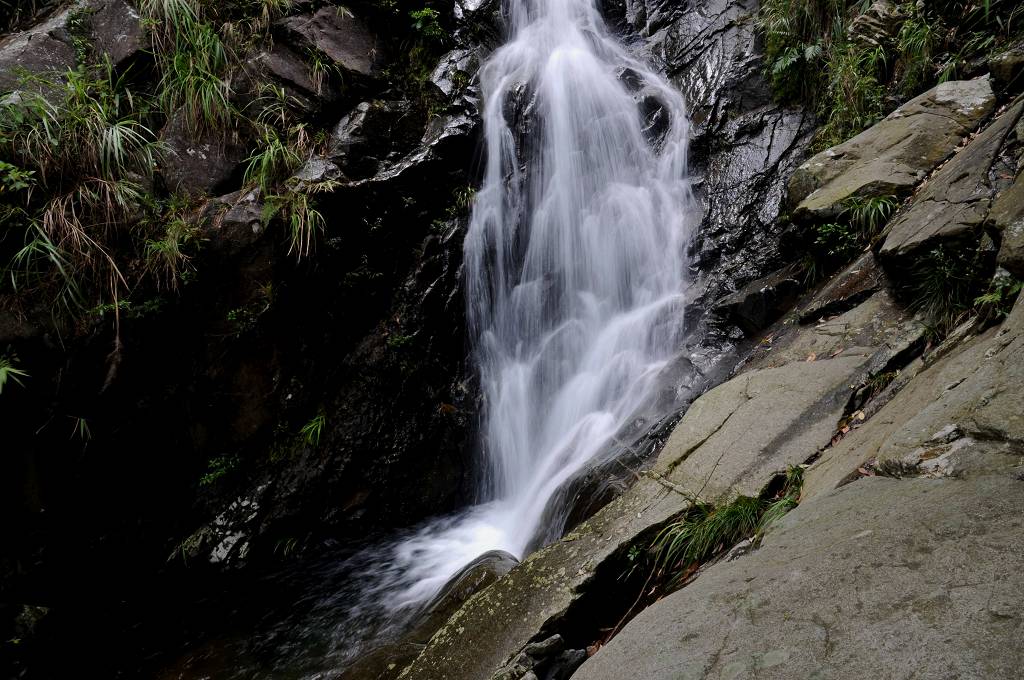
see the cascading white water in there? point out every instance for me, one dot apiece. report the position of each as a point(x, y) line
point(575, 271)
point(575, 265)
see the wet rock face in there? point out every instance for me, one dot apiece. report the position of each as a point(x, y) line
point(47, 50)
point(743, 146)
point(197, 161)
point(340, 35)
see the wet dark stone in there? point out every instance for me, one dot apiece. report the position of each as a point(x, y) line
point(763, 300)
point(196, 160)
point(342, 36)
point(562, 666)
point(474, 577)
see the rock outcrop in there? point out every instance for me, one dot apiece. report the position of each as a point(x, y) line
point(953, 205)
point(1007, 216)
point(919, 577)
point(894, 156)
point(340, 35)
point(866, 575)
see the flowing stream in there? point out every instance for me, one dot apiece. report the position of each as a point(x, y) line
point(575, 266)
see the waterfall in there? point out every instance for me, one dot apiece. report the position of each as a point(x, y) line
point(574, 265)
point(575, 273)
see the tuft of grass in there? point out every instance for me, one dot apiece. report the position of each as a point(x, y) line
point(272, 162)
point(9, 371)
point(73, 166)
point(707, 531)
point(193, 63)
point(80, 428)
point(859, 223)
point(869, 215)
point(167, 256)
point(944, 285)
point(853, 96)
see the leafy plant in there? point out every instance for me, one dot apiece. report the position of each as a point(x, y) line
point(312, 430)
point(427, 23)
point(217, 468)
point(997, 302)
point(839, 241)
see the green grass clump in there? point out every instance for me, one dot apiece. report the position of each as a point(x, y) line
point(74, 161)
point(944, 285)
point(708, 530)
point(9, 371)
point(193, 63)
point(312, 430)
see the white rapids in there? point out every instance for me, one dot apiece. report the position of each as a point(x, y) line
point(575, 271)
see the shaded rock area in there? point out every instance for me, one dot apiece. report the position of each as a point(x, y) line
point(892, 157)
point(198, 161)
point(1008, 217)
point(853, 284)
point(762, 301)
